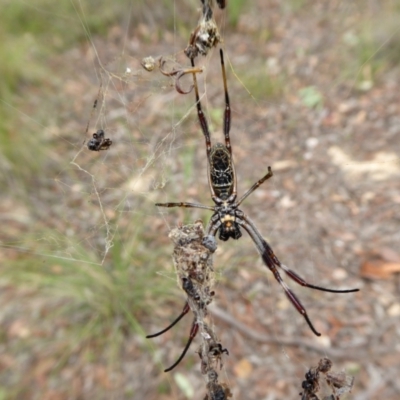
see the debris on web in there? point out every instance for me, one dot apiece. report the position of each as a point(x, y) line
point(99, 142)
point(203, 38)
point(193, 261)
point(322, 381)
point(169, 67)
point(178, 73)
point(148, 63)
point(206, 34)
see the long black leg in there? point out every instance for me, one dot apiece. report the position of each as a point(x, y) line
point(265, 252)
point(193, 332)
point(185, 310)
point(272, 262)
point(298, 279)
point(227, 124)
point(269, 260)
point(227, 114)
point(256, 185)
point(293, 275)
point(204, 128)
point(201, 116)
point(186, 205)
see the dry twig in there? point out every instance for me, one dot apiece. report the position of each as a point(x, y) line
point(192, 258)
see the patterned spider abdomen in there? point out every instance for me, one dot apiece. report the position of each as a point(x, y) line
point(221, 171)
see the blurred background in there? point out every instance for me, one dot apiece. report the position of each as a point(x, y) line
point(86, 269)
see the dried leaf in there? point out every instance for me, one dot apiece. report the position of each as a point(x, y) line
point(378, 269)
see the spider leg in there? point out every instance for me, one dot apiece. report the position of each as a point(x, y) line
point(269, 259)
point(204, 127)
point(298, 279)
point(256, 185)
point(185, 310)
point(213, 225)
point(186, 205)
point(293, 275)
point(272, 262)
point(200, 114)
point(227, 123)
point(227, 114)
point(193, 332)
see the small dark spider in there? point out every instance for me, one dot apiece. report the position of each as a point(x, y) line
point(216, 350)
point(214, 353)
point(98, 142)
point(227, 218)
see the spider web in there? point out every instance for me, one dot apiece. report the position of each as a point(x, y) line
point(123, 181)
point(107, 198)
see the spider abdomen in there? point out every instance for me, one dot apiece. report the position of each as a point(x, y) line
point(221, 171)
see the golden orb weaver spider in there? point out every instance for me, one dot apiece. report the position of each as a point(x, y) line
point(228, 219)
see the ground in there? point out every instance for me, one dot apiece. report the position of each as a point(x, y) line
point(315, 94)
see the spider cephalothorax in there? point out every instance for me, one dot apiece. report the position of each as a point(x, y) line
point(227, 217)
point(229, 228)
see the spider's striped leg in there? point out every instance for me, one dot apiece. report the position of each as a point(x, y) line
point(269, 259)
point(255, 186)
point(298, 279)
point(186, 205)
point(185, 310)
point(213, 225)
point(193, 332)
point(293, 275)
point(272, 262)
point(201, 116)
point(227, 125)
point(227, 113)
